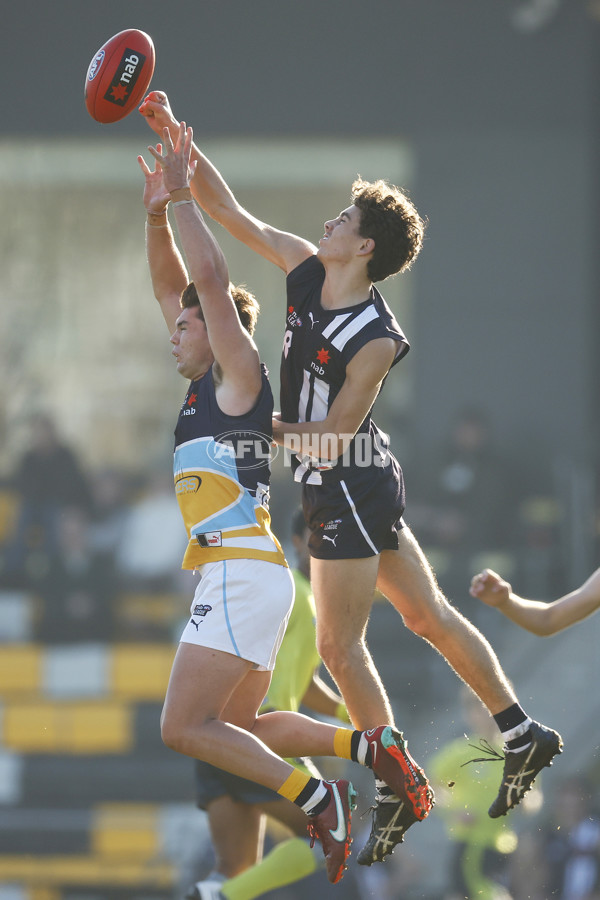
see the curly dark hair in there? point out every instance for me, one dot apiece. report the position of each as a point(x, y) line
point(392, 221)
point(246, 304)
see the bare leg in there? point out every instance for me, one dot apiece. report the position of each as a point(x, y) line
point(204, 683)
point(237, 833)
point(407, 580)
point(343, 591)
point(288, 814)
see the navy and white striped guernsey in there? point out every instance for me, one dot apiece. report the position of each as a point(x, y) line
point(318, 345)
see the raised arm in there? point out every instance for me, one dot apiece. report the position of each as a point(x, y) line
point(327, 439)
point(217, 200)
point(543, 619)
point(167, 270)
point(231, 345)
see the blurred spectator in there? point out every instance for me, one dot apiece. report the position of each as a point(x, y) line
point(465, 505)
point(47, 480)
point(111, 498)
point(78, 589)
point(154, 538)
point(561, 858)
point(464, 789)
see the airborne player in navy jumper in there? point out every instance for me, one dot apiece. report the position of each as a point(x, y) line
point(324, 419)
point(317, 347)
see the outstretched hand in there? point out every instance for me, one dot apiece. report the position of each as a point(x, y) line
point(489, 587)
point(177, 170)
point(156, 196)
point(157, 111)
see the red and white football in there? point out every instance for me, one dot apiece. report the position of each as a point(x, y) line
point(118, 75)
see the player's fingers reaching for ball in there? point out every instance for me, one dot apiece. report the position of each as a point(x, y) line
point(157, 154)
point(180, 137)
point(168, 142)
point(188, 135)
point(143, 166)
point(157, 167)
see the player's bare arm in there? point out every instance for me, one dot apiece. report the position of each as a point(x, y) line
point(215, 197)
point(167, 270)
point(364, 377)
point(543, 619)
point(231, 345)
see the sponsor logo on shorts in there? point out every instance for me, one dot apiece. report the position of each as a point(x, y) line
point(201, 609)
point(332, 525)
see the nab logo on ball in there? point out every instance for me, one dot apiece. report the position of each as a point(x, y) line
point(119, 75)
point(125, 77)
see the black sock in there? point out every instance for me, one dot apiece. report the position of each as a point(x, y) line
point(514, 724)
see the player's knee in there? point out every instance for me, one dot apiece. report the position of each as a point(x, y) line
point(173, 734)
point(170, 734)
point(335, 654)
point(430, 621)
point(326, 648)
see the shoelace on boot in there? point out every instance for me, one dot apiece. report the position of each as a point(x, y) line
point(484, 746)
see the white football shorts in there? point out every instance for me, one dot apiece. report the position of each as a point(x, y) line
point(241, 606)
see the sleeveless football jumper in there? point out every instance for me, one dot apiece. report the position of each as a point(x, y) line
point(354, 504)
point(222, 474)
point(222, 471)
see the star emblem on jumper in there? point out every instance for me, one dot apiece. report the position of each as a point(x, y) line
point(323, 356)
point(192, 399)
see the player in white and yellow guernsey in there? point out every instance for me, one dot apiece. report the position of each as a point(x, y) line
point(227, 651)
point(341, 342)
point(236, 807)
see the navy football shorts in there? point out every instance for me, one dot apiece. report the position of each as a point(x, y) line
point(357, 516)
point(212, 783)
